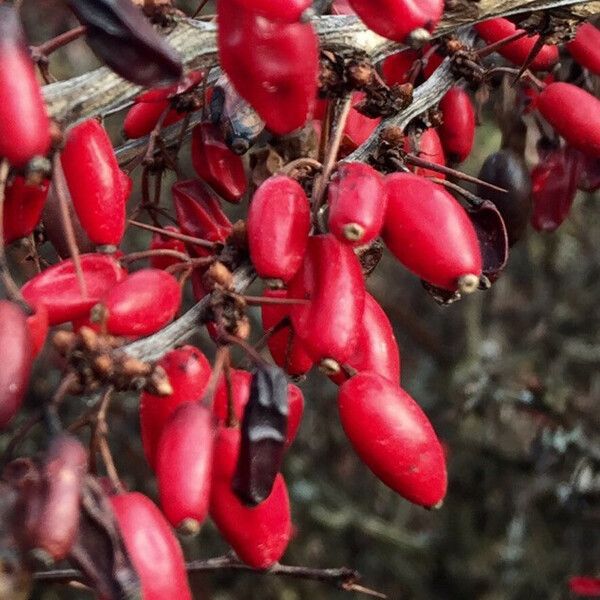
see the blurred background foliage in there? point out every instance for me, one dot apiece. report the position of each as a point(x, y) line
point(511, 380)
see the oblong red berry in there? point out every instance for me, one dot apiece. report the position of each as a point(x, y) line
point(574, 113)
point(152, 547)
point(16, 362)
point(278, 226)
point(188, 371)
point(377, 348)
point(395, 19)
point(24, 123)
point(494, 30)
point(55, 519)
point(95, 182)
point(265, 533)
point(142, 303)
point(430, 233)
point(553, 188)
point(428, 146)
point(393, 437)
point(184, 464)
point(216, 164)
point(331, 277)
point(272, 65)
point(23, 206)
point(199, 213)
point(142, 117)
point(357, 201)
point(285, 346)
point(288, 11)
point(585, 48)
point(457, 132)
point(240, 392)
point(396, 68)
point(57, 287)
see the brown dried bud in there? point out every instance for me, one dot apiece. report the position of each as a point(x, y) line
point(393, 135)
point(158, 383)
point(239, 235)
point(242, 328)
point(219, 274)
point(454, 45)
point(360, 74)
point(89, 338)
point(64, 341)
point(103, 365)
point(133, 367)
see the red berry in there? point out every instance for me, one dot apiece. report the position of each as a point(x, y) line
point(184, 464)
point(430, 233)
point(457, 132)
point(16, 362)
point(24, 123)
point(517, 52)
point(142, 303)
point(23, 205)
point(396, 69)
point(58, 289)
point(377, 349)
point(199, 213)
point(272, 65)
point(160, 242)
point(427, 146)
point(188, 371)
point(331, 277)
point(37, 322)
point(588, 587)
point(574, 113)
point(142, 117)
point(395, 19)
point(553, 188)
point(95, 182)
point(285, 346)
point(357, 202)
point(259, 535)
point(278, 226)
point(358, 128)
point(393, 437)
point(585, 48)
point(288, 11)
point(240, 391)
point(152, 548)
point(216, 164)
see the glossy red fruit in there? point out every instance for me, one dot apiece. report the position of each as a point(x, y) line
point(216, 164)
point(331, 277)
point(288, 11)
point(393, 437)
point(358, 128)
point(278, 226)
point(54, 515)
point(152, 547)
point(188, 371)
point(457, 131)
point(142, 303)
point(517, 52)
point(395, 19)
point(553, 188)
point(574, 113)
point(163, 242)
point(265, 533)
point(95, 182)
point(357, 202)
point(587, 587)
point(585, 48)
point(23, 206)
point(184, 464)
point(37, 323)
point(142, 118)
point(397, 68)
point(377, 348)
point(240, 391)
point(285, 346)
point(427, 146)
point(58, 289)
point(24, 123)
point(272, 65)
point(16, 362)
point(430, 233)
point(199, 213)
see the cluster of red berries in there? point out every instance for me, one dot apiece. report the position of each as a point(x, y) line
point(215, 437)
